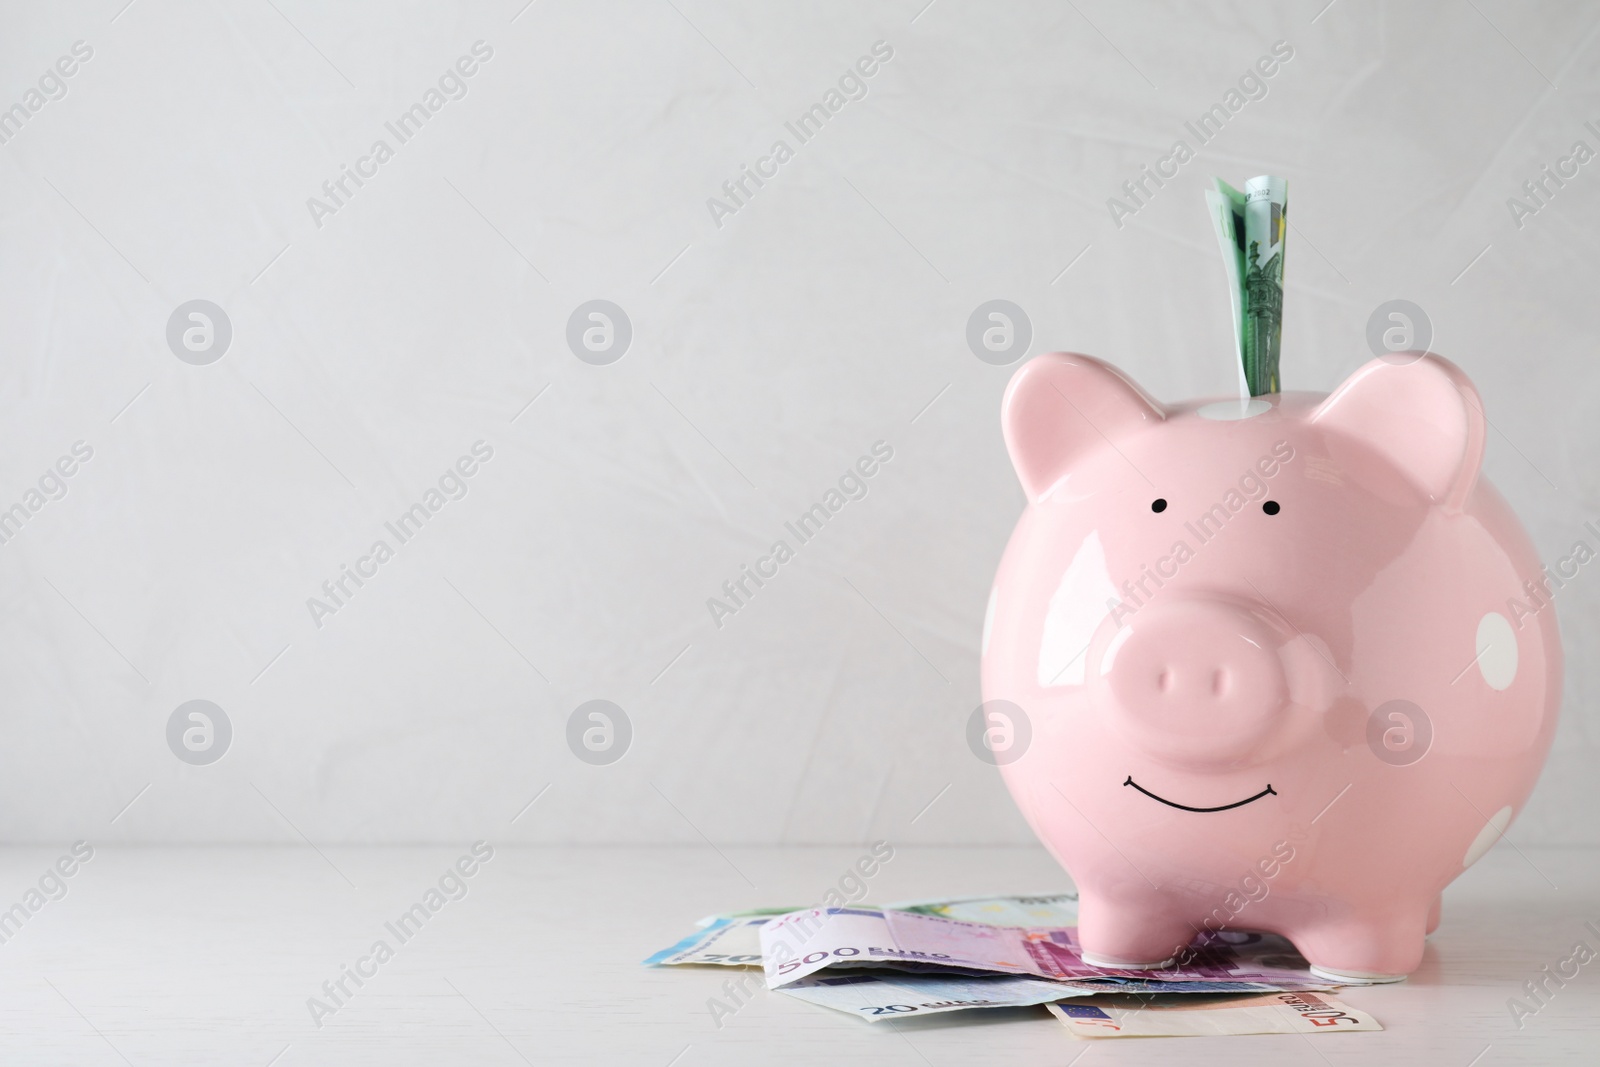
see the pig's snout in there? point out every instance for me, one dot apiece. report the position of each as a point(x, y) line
point(1197, 682)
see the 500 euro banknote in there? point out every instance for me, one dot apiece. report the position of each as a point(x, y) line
point(734, 940)
point(800, 944)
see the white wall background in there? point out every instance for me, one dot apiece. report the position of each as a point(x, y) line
point(768, 353)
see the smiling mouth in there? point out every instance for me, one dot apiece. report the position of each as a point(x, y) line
point(1268, 791)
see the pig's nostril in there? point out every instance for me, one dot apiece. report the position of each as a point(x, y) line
point(1164, 681)
point(1219, 682)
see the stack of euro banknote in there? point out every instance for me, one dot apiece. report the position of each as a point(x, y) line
point(921, 958)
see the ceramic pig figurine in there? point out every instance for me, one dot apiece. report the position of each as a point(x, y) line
point(1288, 664)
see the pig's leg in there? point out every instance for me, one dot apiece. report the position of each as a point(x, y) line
point(1367, 948)
point(1137, 931)
point(1433, 913)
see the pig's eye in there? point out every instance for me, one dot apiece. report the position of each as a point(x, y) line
point(1271, 507)
point(1159, 504)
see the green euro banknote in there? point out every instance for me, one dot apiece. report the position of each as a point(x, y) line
point(1251, 227)
point(1039, 909)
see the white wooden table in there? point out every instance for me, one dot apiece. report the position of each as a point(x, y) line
point(208, 955)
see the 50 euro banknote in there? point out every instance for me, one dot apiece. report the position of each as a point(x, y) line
point(1187, 1016)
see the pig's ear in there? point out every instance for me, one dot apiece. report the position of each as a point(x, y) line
point(1424, 416)
point(1060, 406)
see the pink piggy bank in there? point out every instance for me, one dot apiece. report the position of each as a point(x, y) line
point(1285, 664)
